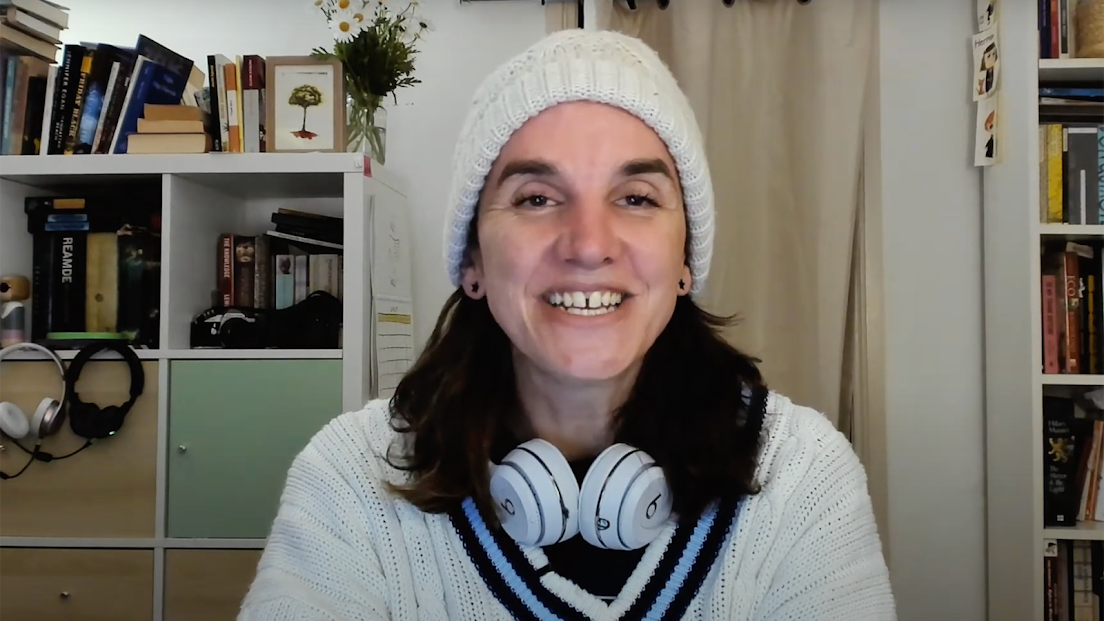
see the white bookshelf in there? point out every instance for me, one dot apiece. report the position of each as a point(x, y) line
point(1070, 69)
point(1015, 383)
point(202, 196)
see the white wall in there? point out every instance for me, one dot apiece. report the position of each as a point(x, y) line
point(931, 216)
point(469, 40)
point(930, 197)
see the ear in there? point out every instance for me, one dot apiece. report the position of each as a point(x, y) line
point(472, 277)
point(685, 281)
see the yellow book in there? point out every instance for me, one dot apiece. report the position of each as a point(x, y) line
point(1056, 139)
point(241, 127)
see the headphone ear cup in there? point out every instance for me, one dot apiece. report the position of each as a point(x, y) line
point(48, 418)
point(536, 494)
point(624, 500)
point(13, 422)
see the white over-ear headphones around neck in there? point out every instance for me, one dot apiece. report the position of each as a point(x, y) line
point(622, 504)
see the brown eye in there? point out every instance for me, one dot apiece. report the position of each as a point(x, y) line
point(532, 200)
point(640, 200)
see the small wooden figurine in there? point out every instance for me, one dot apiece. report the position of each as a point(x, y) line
point(13, 313)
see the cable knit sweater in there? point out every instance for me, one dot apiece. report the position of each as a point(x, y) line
point(805, 548)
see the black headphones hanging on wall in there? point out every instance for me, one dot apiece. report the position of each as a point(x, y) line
point(92, 421)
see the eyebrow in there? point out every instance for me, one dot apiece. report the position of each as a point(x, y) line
point(541, 168)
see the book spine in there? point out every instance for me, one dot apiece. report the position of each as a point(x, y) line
point(36, 104)
point(262, 273)
point(244, 268)
point(230, 73)
point(226, 269)
point(68, 292)
point(42, 276)
point(11, 70)
point(109, 88)
point(284, 266)
point(1081, 185)
point(1055, 29)
point(251, 101)
point(213, 84)
point(1050, 324)
point(302, 278)
point(64, 92)
point(72, 132)
point(1072, 299)
point(1054, 172)
point(1092, 313)
point(115, 107)
point(1044, 28)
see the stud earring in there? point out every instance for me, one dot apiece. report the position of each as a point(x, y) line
point(475, 287)
point(682, 284)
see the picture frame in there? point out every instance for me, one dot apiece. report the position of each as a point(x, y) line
point(304, 105)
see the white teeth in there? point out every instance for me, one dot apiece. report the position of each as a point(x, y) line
point(580, 303)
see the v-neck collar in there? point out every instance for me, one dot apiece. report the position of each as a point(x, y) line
point(660, 588)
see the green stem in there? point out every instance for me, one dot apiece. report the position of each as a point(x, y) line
point(361, 124)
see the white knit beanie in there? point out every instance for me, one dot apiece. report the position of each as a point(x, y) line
point(573, 65)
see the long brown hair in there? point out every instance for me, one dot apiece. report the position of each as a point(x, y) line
point(459, 402)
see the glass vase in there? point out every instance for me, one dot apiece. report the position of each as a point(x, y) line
point(366, 127)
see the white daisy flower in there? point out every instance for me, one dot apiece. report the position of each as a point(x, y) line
point(424, 24)
point(345, 26)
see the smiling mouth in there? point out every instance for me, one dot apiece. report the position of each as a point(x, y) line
point(587, 303)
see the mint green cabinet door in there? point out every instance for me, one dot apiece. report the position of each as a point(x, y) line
point(234, 428)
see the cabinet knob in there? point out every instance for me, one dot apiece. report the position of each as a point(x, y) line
point(182, 448)
point(65, 595)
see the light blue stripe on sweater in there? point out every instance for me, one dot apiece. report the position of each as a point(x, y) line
point(498, 559)
point(686, 562)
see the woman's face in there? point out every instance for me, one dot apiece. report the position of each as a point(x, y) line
point(581, 235)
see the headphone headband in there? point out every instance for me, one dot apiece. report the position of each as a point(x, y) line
point(49, 353)
point(137, 375)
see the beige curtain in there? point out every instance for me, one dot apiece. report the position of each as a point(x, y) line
point(779, 90)
point(782, 91)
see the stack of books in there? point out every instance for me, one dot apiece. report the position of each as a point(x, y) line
point(30, 35)
point(301, 254)
point(32, 27)
point(170, 129)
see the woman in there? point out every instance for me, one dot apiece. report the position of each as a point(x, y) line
point(576, 441)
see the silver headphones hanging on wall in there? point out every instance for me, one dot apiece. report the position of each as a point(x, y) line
point(47, 418)
point(622, 503)
point(50, 413)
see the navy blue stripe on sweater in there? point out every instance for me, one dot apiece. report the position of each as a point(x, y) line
point(666, 595)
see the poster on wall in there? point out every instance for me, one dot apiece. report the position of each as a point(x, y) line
point(986, 64)
point(986, 14)
point(985, 83)
point(985, 141)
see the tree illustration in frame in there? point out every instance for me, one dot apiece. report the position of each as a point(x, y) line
point(305, 96)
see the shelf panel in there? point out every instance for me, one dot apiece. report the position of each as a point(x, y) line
point(254, 175)
point(196, 354)
point(1093, 531)
point(1053, 70)
point(254, 354)
point(69, 354)
point(150, 543)
point(1054, 379)
point(1072, 230)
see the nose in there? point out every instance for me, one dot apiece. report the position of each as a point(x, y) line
point(589, 238)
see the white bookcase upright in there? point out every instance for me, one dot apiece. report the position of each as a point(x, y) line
point(1013, 235)
point(166, 519)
